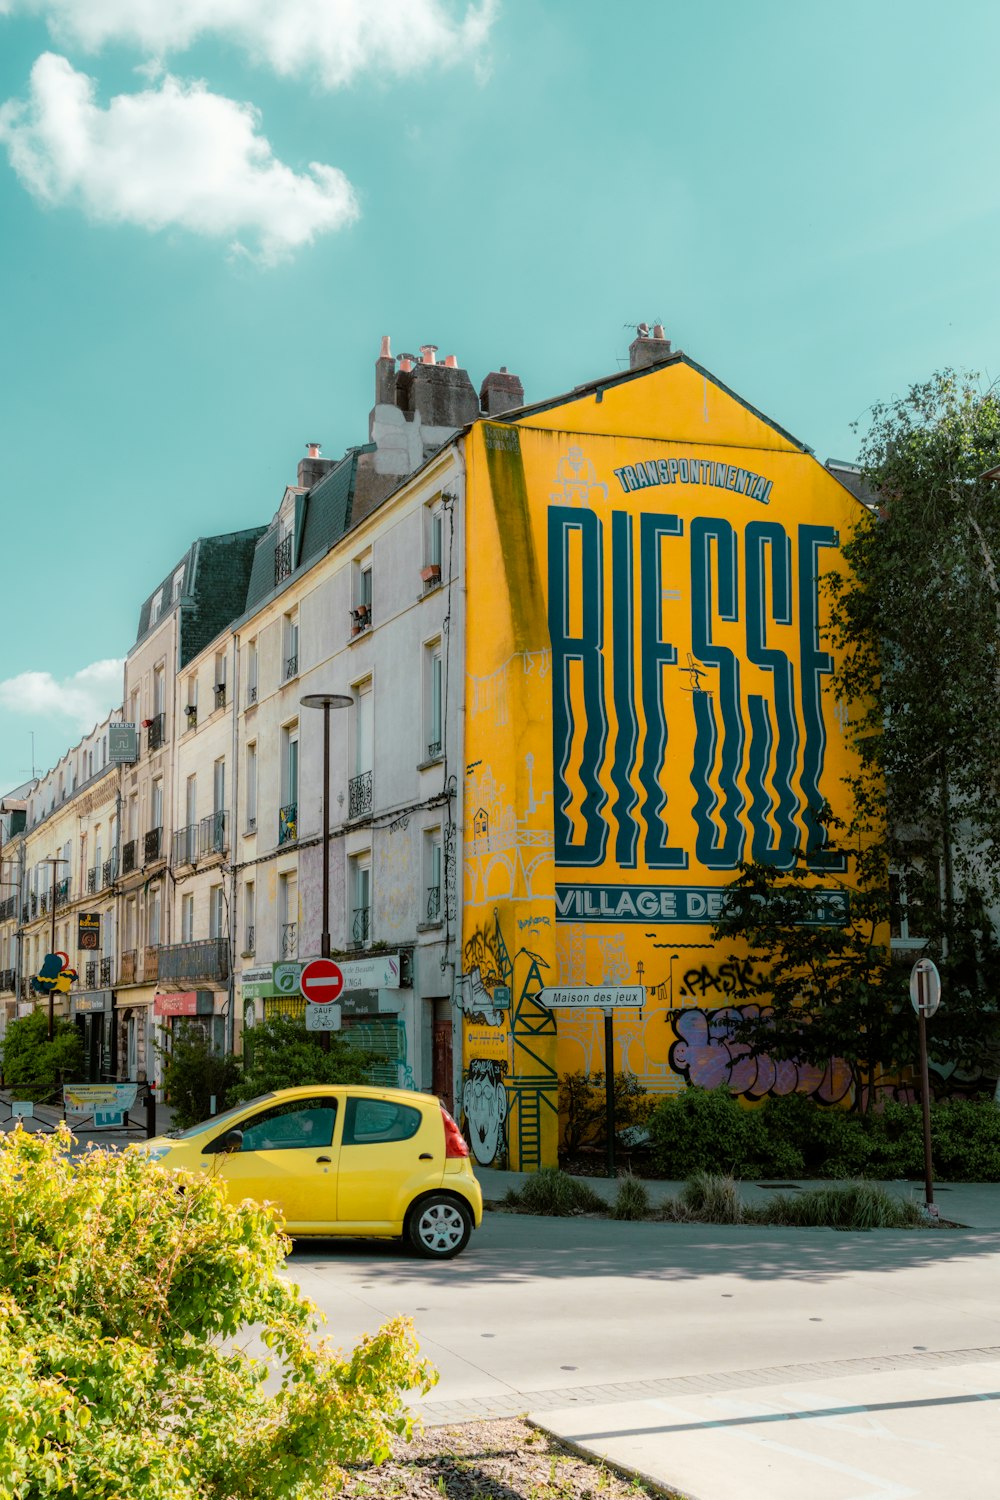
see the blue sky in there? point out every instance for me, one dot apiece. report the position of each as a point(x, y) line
point(211, 210)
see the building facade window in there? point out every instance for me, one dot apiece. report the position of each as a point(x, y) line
point(216, 912)
point(433, 700)
point(249, 918)
point(187, 918)
point(432, 875)
point(290, 647)
point(361, 608)
point(288, 816)
point(252, 671)
point(251, 793)
point(288, 916)
point(359, 915)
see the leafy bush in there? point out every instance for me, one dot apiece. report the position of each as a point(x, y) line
point(966, 1140)
point(583, 1106)
point(849, 1205)
point(34, 1067)
point(706, 1130)
point(631, 1199)
point(550, 1191)
point(123, 1310)
point(193, 1074)
point(281, 1054)
point(712, 1198)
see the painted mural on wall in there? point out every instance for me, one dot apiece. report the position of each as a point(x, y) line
point(648, 704)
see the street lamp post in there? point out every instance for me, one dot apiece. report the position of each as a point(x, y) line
point(326, 701)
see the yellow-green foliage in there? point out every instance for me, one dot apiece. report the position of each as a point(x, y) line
point(126, 1296)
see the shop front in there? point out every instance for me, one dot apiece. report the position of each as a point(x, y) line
point(93, 1011)
point(197, 1011)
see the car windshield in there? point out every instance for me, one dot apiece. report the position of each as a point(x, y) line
point(217, 1120)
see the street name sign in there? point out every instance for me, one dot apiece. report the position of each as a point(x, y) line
point(589, 996)
point(321, 981)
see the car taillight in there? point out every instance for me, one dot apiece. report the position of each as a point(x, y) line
point(454, 1141)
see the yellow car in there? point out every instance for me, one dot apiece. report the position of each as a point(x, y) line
point(339, 1159)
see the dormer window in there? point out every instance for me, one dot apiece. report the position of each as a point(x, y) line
point(156, 608)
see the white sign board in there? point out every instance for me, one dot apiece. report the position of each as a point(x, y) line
point(592, 996)
point(925, 987)
point(323, 1017)
point(22, 1109)
point(373, 971)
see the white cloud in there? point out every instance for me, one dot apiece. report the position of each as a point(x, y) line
point(332, 41)
point(85, 698)
point(174, 154)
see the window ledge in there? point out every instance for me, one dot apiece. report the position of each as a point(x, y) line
point(431, 926)
point(426, 765)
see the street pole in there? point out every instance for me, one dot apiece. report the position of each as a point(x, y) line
point(925, 1090)
point(609, 1086)
point(326, 701)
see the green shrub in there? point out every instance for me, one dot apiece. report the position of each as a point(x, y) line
point(281, 1054)
point(125, 1306)
point(706, 1130)
point(34, 1067)
point(849, 1205)
point(713, 1199)
point(193, 1074)
point(631, 1199)
point(965, 1140)
point(550, 1191)
point(584, 1108)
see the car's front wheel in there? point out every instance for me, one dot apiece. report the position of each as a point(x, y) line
point(439, 1226)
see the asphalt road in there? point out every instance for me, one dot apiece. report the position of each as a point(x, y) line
point(727, 1362)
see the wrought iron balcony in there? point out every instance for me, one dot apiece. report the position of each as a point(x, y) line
point(156, 731)
point(220, 695)
point(361, 928)
point(433, 903)
point(129, 967)
point(250, 945)
point(208, 959)
point(291, 666)
point(61, 892)
point(191, 714)
point(107, 967)
point(433, 749)
point(252, 823)
point(43, 902)
point(288, 823)
point(290, 940)
point(128, 857)
point(8, 909)
point(152, 846)
point(90, 974)
point(185, 847)
point(359, 795)
point(108, 871)
point(283, 559)
point(212, 834)
point(151, 962)
point(7, 981)
point(92, 881)
point(251, 694)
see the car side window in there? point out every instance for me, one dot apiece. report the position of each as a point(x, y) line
point(291, 1127)
point(369, 1121)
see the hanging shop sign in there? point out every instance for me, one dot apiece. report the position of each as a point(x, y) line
point(88, 930)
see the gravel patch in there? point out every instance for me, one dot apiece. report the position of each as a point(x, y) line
point(506, 1460)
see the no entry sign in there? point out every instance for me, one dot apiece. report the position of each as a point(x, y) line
point(321, 981)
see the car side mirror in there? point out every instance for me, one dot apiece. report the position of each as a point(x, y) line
point(230, 1142)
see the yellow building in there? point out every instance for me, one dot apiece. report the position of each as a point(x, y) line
point(648, 703)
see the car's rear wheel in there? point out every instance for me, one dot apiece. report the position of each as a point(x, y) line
point(439, 1226)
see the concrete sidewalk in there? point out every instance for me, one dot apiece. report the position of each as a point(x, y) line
point(973, 1205)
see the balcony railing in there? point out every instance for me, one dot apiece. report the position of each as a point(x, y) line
point(156, 731)
point(433, 749)
point(283, 559)
point(8, 909)
point(152, 846)
point(185, 846)
point(251, 823)
point(129, 967)
point(7, 981)
point(433, 903)
point(151, 962)
point(288, 823)
point(92, 881)
point(62, 892)
point(359, 795)
point(361, 618)
point(250, 945)
point(44, 902)
point(208, 959)
point(212, 834)
point(108, 871)
point(291, 666)
point(90, 974)
point(107, 968)
point(128, 857)
point(251, 694)
point(290, 940)
point(220, 695)
point(361, 928)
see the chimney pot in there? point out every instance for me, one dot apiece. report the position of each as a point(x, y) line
point(406, 363)
point(313, 449)
point(429, 351)
point(451, 362)
point(658, 331)
point(385, 352)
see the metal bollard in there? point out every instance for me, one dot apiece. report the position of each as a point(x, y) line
point(150, 1114)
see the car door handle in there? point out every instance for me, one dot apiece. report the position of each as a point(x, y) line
point(425, 1156)
point(327, 1159)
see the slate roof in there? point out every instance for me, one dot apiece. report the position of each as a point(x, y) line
point(216, 573)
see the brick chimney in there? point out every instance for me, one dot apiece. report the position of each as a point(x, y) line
point(385, 374)
point(312, 467)
point(439, 396)
point(648, 348)
point(500, 392)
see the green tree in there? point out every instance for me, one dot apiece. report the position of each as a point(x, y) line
point(34, 1067)
point(193, 1075)
point(280, 1054)
point(917, 618)
point(126, 1300)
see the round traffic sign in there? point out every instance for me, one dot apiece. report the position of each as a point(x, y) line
point(925, 987)
point(321, 981)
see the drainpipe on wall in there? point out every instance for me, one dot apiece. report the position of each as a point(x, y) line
point(233, 913)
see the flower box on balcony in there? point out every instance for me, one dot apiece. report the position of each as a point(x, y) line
point(361, 618)
point(431, 574)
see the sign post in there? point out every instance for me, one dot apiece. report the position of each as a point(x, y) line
point(321, 984)
point(608, 998)
point(925, 996)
